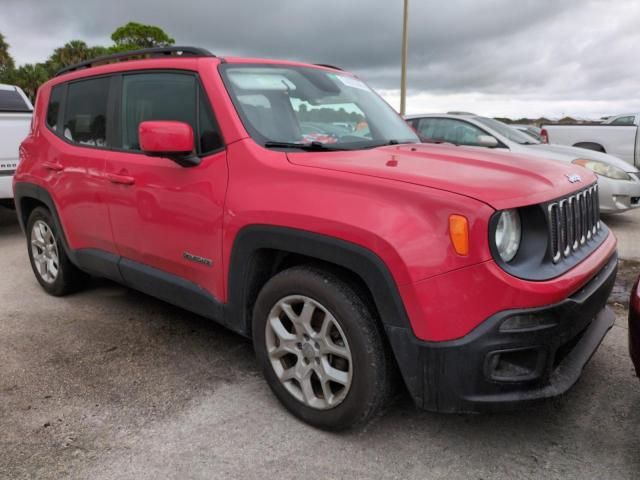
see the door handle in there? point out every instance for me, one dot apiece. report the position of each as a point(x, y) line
point(53, 166)
point(121, 179)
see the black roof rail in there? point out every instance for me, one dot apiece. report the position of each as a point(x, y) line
point(327, 66)
point(148, 52)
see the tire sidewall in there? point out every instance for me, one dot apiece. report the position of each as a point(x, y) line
point(363, 346)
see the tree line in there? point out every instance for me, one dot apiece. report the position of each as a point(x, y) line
point(30, 76)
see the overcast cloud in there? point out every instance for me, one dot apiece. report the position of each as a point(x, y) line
point(495, 57)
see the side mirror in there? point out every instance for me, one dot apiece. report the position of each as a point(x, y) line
point(487, 141)
point(170, 139)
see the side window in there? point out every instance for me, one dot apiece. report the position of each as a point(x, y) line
point(426, 127)
point(167, 96)
point(85, 117)
point(449, 130)
point(624, 121)
point(54, 107)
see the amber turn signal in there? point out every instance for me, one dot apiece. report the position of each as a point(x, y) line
point(459, 233)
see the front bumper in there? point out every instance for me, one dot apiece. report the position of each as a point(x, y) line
point(492, 368)
point(6, 185)
point(618, 196)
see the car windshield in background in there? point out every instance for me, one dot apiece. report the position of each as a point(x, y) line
point(312, 109)
point(12, 101)
point(508, 132)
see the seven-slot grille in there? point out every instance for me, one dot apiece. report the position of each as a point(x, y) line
point(573, 221)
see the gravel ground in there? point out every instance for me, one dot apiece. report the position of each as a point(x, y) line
point(626, 226)
point(110, 383)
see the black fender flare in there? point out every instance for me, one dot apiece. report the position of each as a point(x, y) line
point(25, 190)
point(362, 262)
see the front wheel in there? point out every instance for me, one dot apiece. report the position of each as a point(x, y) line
point(321, 349)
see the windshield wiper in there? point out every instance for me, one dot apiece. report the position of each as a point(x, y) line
point(311, 147)
point(386, 143)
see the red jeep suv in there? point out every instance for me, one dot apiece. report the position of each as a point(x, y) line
point(290, 203)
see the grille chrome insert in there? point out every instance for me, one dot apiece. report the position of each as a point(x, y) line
point(573, 221)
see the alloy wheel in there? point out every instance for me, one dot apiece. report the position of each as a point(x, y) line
point(309, 352)
point(44, 250)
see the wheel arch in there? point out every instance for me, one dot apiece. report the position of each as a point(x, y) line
point(29, 196)
point(261, 251)
point(597, 147)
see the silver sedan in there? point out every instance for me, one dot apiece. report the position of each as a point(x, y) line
point(618, 181)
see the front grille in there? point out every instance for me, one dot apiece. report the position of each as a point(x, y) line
point(573, 221)
point(7, 173)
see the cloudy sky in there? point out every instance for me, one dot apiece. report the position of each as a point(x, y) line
point(495, 57)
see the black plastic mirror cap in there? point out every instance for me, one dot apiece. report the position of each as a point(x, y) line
point(184, 159)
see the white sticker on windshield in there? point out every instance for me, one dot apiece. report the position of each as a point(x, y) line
point(352, 82)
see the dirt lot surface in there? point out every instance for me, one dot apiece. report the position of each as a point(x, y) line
point(110, 383)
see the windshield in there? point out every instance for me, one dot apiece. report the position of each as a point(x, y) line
point(290, 107)
point(508, 132)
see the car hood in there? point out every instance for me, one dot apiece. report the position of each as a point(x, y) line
point(499, 179)
point(575, 152)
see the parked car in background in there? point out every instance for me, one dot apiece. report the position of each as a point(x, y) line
point(619, 182)
point(15, 119)
point(634, 326)
point(351, 263)
point(617, 136)
point(531, 130)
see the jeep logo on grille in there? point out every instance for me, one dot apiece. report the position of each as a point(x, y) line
point(573, 178)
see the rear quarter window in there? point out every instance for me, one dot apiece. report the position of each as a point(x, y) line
point(53, 109)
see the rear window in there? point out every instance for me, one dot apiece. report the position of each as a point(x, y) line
point(12, 101)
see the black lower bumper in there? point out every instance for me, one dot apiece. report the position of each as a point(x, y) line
point(512, 358)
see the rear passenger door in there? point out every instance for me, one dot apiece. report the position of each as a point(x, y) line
point(166, 216)
point(74, 162)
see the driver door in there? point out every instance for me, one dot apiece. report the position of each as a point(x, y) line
point(163, 215)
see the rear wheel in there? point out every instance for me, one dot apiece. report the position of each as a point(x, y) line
point(51, 266)
point(321, 349)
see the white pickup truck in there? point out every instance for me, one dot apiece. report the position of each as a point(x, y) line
point(15, 121)
point(618, 136)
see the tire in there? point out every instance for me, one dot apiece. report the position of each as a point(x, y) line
point(339, 353)
point(51, 266)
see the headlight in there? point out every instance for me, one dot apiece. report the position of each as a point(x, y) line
point(604, 169)
point(508, 233)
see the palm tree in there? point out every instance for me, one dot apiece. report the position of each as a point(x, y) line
point(73, 52)
point(6, 61)
point(29, 77)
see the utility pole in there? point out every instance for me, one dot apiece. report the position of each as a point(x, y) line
point(403, 73)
